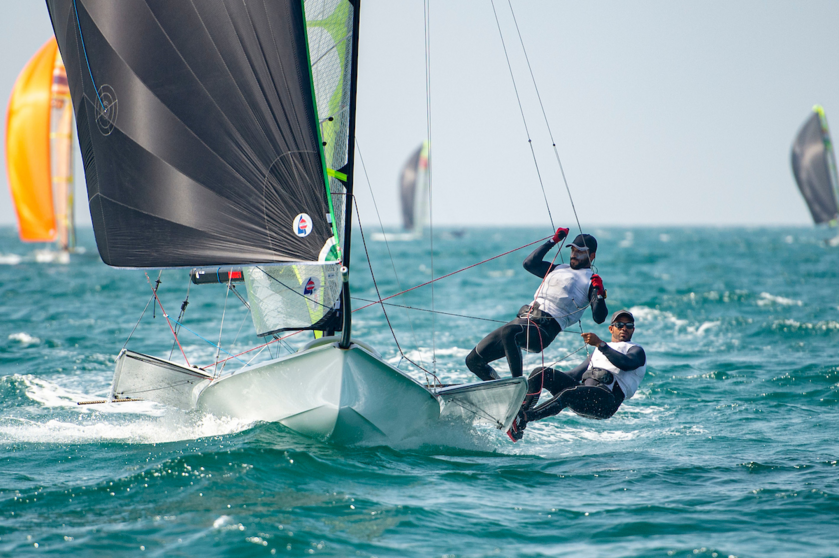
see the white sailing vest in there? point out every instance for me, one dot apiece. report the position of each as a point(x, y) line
point(564, 294)
point(629, 380)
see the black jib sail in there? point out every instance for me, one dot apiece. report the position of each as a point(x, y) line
point(814, 167)
point(212, 133)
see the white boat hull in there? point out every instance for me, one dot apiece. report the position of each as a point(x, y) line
point(326, 392)
point(349, 396)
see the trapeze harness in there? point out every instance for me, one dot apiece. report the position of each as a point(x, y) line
point(595, 389)
point(558, 303)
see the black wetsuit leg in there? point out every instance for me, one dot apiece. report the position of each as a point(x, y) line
point(507, 341)
point(603, 406)
point(552, 380)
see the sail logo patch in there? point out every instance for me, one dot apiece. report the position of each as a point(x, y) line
point(302, 225)
point(106, 109)
point(310, 286)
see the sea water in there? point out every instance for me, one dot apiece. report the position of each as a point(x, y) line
point(728, 448)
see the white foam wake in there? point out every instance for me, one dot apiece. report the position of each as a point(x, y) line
point(140, 422)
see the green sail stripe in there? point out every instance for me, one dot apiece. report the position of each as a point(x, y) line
point(317, 122)
point(336, 26)
point(339, 175)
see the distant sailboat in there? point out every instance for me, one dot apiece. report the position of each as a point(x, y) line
point(814, 168)
point(414, 191)
point(221, 135)
point(39, 153)
point(413, 197)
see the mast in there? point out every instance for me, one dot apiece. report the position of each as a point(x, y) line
point(346, 307)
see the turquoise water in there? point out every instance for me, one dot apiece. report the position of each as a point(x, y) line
point(728, 449)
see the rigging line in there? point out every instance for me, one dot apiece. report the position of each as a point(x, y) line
point(201, 337)
point(378, 295)
point(221, 327)
point(523, 118)
point(165, 386)
point(530, 311)
point(427, 310)
point(299, 331)
point(474, 409)
point(241, 325)
point(545, 115)
point(236, 292)
point(292, 290)
point(565, 357)
point(455, 272)
point(450, 314)
point(84, 50)
point(257, 354)
point(165, 315)
point(184, 304)
point(143, 313)
point(427, 23)
point(387, 244)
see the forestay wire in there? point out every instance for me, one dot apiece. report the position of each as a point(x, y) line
point(426, 14)
point(387, 244)
point(544, 114)
point(523, 118)
point(379, 296)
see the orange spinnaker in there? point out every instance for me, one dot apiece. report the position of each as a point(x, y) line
point(28, 147)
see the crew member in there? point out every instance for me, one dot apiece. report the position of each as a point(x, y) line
point(595, 388)
point(565, 292)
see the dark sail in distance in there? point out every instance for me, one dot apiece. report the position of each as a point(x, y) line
point(407, 184)
point(198, 129)
point(813, 166)
point(413, 190)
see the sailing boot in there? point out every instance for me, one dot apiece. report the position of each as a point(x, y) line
point(516, 430)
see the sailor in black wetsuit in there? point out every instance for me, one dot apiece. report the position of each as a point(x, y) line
point(565, 292)
point(595, 388)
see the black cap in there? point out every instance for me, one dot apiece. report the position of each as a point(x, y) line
point(620, 313)
point(584, 241)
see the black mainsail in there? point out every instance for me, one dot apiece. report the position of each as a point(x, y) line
point(212, 133)
point(814, 167)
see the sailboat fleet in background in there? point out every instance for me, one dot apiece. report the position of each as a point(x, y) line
point(814, 168)
point(220, 136)
point(39, 154)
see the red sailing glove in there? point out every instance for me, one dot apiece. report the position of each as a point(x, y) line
point(597, 283)
point(559, 235)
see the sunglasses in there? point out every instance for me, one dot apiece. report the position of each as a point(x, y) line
point(621, 325)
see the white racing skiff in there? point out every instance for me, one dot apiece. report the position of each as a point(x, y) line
point(348, 395)
point(232, 154)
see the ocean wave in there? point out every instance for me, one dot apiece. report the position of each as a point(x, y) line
point(24, 338)
point(654, 319)
point(767, 299)
point(792, 326)
point(10, 259)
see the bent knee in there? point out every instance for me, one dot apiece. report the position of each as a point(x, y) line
point(539, 370)
point(474, 359)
